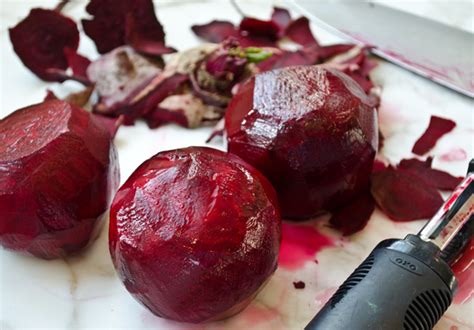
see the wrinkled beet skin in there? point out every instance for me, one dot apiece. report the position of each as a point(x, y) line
point(58, 171)
point(194, 233)
point(311, 131)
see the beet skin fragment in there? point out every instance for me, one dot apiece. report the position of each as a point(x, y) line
point(436, 129)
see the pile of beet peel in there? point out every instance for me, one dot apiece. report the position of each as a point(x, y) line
point(137, 76)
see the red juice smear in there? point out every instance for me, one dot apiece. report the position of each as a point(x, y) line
point(300, 244)
point(455, 154)
point(463, 269)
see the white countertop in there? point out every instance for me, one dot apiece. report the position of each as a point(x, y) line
point(83, 292)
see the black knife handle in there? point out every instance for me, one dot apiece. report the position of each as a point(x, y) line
point(402, 285)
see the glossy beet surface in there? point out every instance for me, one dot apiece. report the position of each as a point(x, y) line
point(194, 233)
point(58, 170)
point(310, 130)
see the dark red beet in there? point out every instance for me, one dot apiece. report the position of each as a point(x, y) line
point(310, 131)
point(194, 233)
point(436, 129)
point(39, 40)
point(403, 195)
point(58, 171)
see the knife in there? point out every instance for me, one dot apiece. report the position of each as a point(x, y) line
point(431, 49)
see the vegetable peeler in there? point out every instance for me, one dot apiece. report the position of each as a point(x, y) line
point(406, 283)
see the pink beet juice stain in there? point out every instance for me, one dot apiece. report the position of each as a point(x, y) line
point(255, 314)
point(463, 269)
point(300, 244)
point(455, 154)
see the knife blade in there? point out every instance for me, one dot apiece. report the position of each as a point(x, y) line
point(431, 49)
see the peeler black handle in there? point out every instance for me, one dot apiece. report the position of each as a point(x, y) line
point(403, 284)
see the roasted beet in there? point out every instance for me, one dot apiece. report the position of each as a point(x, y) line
point(40, 39)
point(58, 170)
point(194, 233)
point(310, 130)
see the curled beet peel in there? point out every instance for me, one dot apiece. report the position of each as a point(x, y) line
point(119, 22)
point(194, 233)
point(58, 170)
point(310, 130)
point(40, 39)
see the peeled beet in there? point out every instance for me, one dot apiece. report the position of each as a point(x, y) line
point(194, 234)
point(310, 130)
point(58, 170)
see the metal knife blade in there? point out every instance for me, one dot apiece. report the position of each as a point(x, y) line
point(434, 50)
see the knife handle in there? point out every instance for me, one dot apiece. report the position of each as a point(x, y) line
point(403, 284)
